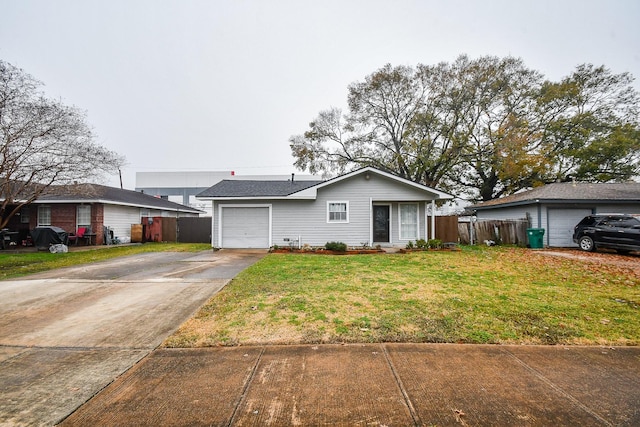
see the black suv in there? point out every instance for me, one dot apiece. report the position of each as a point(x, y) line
point(615, 231)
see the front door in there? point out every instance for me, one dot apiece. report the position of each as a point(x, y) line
point(381, 216)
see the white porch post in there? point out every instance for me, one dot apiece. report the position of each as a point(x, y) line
point(371, 221)
point(433, 219)
point(426, 221)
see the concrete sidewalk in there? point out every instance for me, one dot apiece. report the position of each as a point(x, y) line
point(374, 384)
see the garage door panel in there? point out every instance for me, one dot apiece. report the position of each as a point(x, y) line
point(561, 224)
point(245, 227)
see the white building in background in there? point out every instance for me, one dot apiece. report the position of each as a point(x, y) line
point(182, 187)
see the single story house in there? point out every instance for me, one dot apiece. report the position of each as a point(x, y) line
point(94, 206)
point(363, 207)
point(558, 207)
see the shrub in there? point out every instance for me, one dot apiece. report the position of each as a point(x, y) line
point(434, 244)
point(421, 244)
point(336, 246)
point(409, 245)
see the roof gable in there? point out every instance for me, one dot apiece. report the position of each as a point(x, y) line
point(368, 170)
point(236, 189)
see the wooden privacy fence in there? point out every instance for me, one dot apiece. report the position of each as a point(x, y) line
point(169, 229)
point(194, 229)
point(446, 228)
point(505, 231)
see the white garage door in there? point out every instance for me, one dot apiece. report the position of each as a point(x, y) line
point(245, 227)
point(561, 224)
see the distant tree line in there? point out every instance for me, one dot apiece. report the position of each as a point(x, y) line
point(484, 127)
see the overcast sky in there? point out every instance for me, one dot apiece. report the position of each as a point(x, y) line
point(222, 85)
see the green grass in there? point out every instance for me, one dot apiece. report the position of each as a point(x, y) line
point(14, 264)
point(477, 295)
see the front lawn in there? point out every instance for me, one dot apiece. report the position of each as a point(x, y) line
point(477, 295)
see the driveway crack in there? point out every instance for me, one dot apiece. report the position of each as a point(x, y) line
point(403, 390)
point(245, 388)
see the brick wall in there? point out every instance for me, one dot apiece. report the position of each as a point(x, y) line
point(97, 222)
point(63, 216)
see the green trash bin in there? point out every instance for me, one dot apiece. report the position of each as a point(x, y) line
point(536, 238)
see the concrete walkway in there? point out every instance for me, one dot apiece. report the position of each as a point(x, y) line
point(374, 385)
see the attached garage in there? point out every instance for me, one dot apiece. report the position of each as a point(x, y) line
point(561, 223)
point(245, 226)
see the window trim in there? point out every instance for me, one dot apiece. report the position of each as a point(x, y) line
point(417, 217)
point(40, 219)
point(337, 202)
point(25, 215)
point(78, 208)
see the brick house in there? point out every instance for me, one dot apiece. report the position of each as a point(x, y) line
point(94, 207)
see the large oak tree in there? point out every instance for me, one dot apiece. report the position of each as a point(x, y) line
point(484, 127)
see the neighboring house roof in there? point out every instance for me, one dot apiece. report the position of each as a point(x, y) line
point(94, 193)
point(233, 189)
point(569, 192)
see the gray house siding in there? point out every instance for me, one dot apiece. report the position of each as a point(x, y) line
point(304, 222)
point(308, 219)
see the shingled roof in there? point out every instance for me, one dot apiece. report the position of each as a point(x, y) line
point(92, 193)
point(569, 192)
point(249, 188)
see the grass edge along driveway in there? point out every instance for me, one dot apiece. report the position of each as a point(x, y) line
point(477, 295)
point(17, 264)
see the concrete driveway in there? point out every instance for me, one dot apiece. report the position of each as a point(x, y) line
point(66, 334)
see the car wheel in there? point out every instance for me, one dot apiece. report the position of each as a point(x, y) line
point(586, 244)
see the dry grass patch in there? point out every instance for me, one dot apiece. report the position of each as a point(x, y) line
point(478, 295)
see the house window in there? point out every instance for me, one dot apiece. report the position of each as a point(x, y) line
point(338, 212)
point(44, 215)
point(83, 216)
point(408, 221)
point(24, 216)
